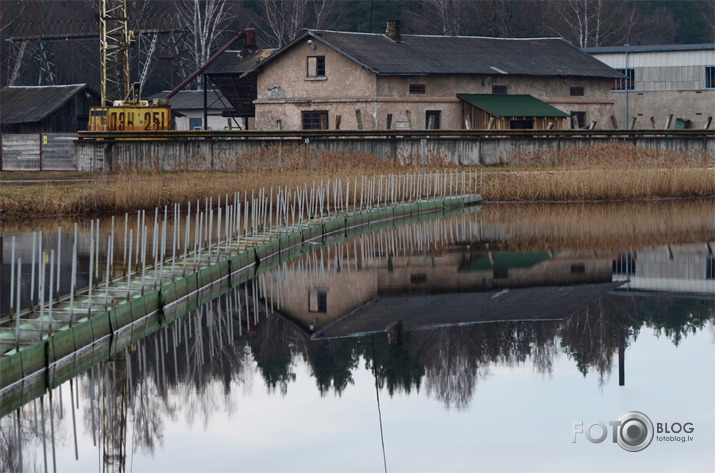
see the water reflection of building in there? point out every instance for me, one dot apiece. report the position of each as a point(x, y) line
point(314, 297)
point(458, 270)
point(671, 268)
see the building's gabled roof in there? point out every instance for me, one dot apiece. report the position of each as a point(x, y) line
point(194, 100)
point(649, 48)
point(423, 55)
point(512, 105)
point(31, 104)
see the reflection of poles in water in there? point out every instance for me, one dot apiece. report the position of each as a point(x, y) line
point(115, 406)
point(74, 421)
point(377, 394)
point(52, 434)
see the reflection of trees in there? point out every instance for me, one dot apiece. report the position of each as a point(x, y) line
point(164, 372)
point(453, 360)
point(594, 334)
point(393, 365)
point(457, 358)
point(27, 422)
point(332, 363)
point(676, 318)
point(273, 348)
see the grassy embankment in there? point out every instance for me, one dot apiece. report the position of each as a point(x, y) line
point(591, 173)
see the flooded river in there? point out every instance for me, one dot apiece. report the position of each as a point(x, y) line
point(569, 337)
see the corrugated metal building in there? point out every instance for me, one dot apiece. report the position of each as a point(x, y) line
point(46, 109)
point(671, 85)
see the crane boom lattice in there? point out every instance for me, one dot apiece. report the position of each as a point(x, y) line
point(114, 38)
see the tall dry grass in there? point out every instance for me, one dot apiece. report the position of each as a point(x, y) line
point(599, 227)
point(604, 171)
point(609, 171)
point(588, 184)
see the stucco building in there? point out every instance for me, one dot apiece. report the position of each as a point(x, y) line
point(666, 86)
point(339, 80)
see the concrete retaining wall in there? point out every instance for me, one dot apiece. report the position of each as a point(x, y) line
point(217, 154)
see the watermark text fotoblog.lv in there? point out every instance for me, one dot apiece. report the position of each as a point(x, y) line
point(633, 431)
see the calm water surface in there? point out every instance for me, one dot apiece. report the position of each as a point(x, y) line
point(469, 344)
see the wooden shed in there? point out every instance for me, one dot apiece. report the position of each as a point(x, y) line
point(46, 109)
point(509, 112)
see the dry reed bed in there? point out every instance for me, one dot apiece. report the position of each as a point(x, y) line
point(600, 227)
point(585, 184)
point(601, 172)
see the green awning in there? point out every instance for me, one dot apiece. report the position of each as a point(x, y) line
point(512, 105)
point(509, 259)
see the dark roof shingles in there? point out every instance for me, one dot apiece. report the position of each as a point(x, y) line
point(32, 104)
point(465, 55)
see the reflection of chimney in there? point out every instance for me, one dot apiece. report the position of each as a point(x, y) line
point(394, 334)
point(394, 31)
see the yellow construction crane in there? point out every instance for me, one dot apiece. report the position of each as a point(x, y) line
point(122, 107)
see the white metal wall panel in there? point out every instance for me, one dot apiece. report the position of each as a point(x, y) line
point(658, 59)
point(20, 152)
point(58, 152)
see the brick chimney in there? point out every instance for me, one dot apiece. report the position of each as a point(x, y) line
point(394, 31)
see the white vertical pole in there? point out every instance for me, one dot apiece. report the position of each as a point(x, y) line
point(91, 267)
point(12, 273)
point(59, 254)
point(129, 268)
point(124, 259)
point(110, 250)
point(17, 300)
point(52, 260)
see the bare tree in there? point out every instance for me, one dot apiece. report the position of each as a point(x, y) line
point(504, 18)
point(322, 11)
point(708, 15)
point(596, 22)
point(659, 28)
point(445, 17)
point(284, 19)
point(205, 21)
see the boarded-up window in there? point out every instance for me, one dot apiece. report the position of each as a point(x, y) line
point(578, 119)
point(316, 66)
point(432, 119)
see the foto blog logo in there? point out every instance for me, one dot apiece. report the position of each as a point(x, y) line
point(632, 431)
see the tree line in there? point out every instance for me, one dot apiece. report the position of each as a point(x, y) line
point(200, 27)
